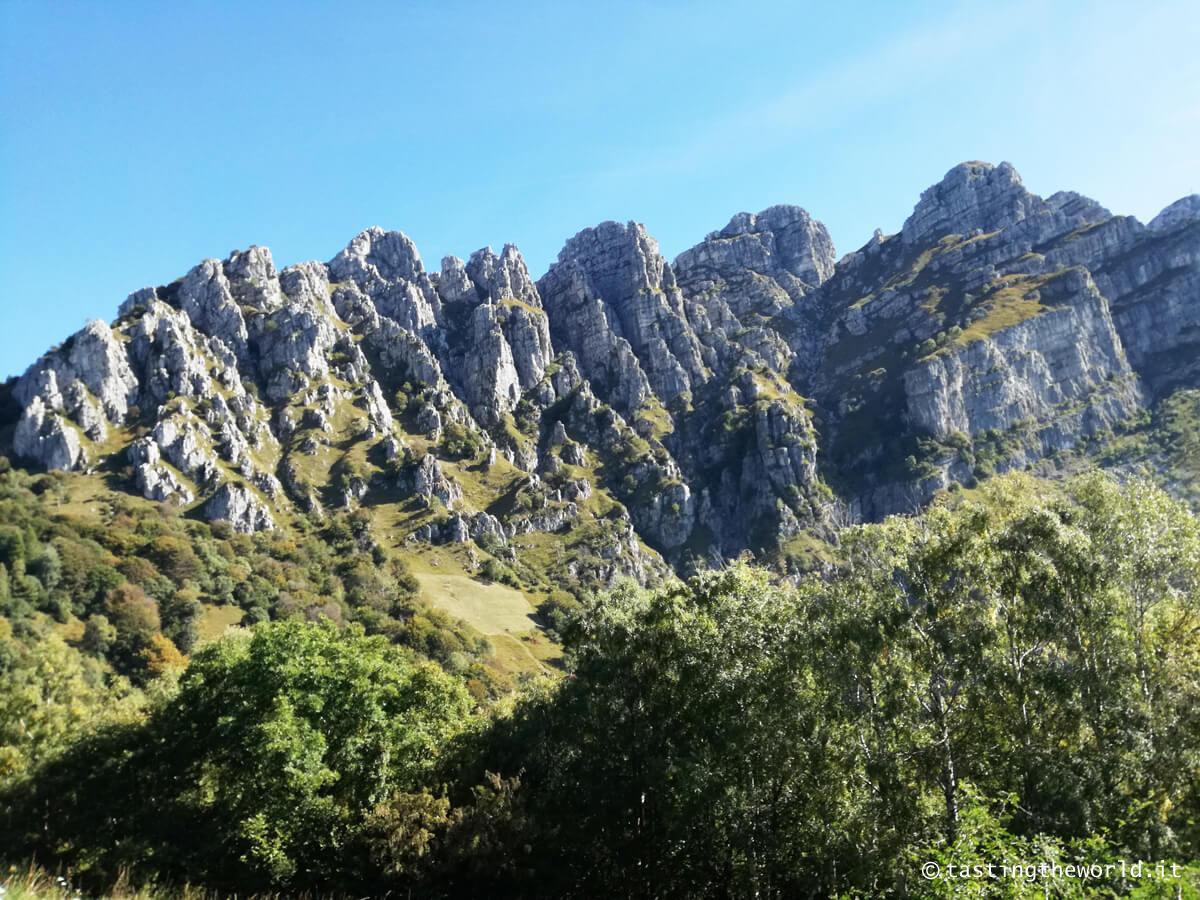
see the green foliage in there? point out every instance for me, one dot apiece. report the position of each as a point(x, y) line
point(49, 696)
point(1012, 675)
point(733, 737)
point(1165, 444)
point(557, 611)
point(327, 726)
point(159, 572)
point(265, 767)
point(460, 442)
point(494, 570)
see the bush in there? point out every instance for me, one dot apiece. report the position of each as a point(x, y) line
point(494, 570)
point(556, 612)
point(460, 442)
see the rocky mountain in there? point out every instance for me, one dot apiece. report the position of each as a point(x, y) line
point(752, 394)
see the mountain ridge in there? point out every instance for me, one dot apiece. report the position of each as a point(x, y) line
point(754, 391)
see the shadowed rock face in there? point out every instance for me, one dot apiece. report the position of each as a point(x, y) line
point(721, 402)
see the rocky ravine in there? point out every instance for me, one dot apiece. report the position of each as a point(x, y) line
point(750, 392)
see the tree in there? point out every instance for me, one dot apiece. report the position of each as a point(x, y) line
point(992, 660)
point(47, 568)
point(175, 557)
point(285, 740)
point(12, 545)
point(161, 656)
point(684, 754)
point(180, 612)
point(98, 635)
point(136, 620)
point(50, 697)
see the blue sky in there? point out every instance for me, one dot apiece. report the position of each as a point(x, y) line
point(138, 138)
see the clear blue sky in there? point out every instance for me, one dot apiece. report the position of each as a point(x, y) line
point(138, 138)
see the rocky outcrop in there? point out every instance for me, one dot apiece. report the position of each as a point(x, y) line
point(44, 437)
point(206, 297)
point(428, 482)
point(253, 280)
point(1183, 212)
point(295, 340)
point(187, 443)
point(1065, 362)
point(240, 507)
point(1152, 279)
point(993, 311)
point(974, 196)
point(378, 410)
point(503, 277)
point(498, 334)
point(757, 263)
point(386, 266)
point(154, 479)
point(613, 301)
point(88, 378)
point(489, 375)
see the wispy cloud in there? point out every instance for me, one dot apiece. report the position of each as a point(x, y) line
point(840, 92)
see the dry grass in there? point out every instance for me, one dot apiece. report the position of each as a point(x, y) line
point(504, 615)
point(32, 882)
point(489, 608)
point(1007, 307)
point(216, 621)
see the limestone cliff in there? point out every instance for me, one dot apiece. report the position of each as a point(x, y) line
point(637, 409)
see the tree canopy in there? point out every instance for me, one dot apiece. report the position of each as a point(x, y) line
point(1013, 674)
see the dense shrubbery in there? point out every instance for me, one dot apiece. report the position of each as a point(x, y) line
point(265, 769)
point(139, 579)
point(460, 442)
point(1013, 675)
point(998, 657)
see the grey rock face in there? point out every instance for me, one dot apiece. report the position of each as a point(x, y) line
point(614, 302)
point(240, 507)
point(550, 519)
point(1184, 211)
point(974, 196)
point(94, 360)
point(758, 263)
point(295, 340)
point(755, 270)
point(206, 298)
point(377, 408)
point(170, 357)
point(503, 277)
point(428, 482)
point(155, 480)
point(862, 341)
point(528, 331)
point(606, 358)
point(386, 266)
point(498, 335)
point(187, 443)
point(1152, 279)
point(1067, 359)
point(45, 438)
point(489, 375)
point(253, 280)
point(404, 354)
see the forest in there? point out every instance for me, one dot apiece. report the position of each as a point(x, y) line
point(1011, 676)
